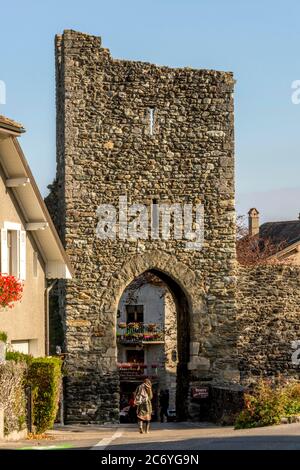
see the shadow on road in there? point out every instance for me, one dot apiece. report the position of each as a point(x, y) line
point(265, 442)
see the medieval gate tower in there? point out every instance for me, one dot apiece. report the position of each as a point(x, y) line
point(155, 135)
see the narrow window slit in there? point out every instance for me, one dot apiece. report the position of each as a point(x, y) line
point(151, 121)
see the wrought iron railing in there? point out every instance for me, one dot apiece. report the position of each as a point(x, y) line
point(140, 332)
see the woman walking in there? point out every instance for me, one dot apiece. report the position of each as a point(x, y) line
point(143, 397)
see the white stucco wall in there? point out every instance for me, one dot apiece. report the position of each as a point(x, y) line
point(26, 321)
point(152, 297)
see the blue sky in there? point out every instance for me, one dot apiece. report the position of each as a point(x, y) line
point(258, 40)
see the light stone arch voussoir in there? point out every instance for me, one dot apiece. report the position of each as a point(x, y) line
point(185, 277)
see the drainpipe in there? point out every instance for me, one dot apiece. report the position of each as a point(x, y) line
point(47, 292)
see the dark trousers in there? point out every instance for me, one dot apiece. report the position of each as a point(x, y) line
point(163, 412)
point(132, 414)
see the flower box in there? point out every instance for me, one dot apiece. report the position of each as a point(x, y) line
point(151, 326)
point(148, 337)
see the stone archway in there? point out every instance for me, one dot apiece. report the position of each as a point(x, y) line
point(186, 288)
point(186, 278)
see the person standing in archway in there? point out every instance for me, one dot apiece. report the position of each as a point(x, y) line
point(143, 397)
point(132, 412)
point(164, 404)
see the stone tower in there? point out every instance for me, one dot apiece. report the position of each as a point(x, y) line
point(155, 135)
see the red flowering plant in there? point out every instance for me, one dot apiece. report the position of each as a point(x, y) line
point(11, 290)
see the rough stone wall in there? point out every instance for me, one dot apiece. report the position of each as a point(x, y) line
point(104, 150)
point(268, 321)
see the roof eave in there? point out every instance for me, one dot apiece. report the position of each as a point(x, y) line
point(11, 130)
point(33, 210)
point(43, 206)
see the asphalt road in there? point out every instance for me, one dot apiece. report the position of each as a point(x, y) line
point(168, 436)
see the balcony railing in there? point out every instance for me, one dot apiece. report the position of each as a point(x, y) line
point(130, 370)
point(140, 333)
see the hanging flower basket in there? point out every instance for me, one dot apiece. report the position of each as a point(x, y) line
point(11, 290)
point(122, 325)
point(151, 326)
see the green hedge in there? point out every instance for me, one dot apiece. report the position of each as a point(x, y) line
point(18, 357)
point(44, 376)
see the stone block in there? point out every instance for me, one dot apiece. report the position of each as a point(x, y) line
point(199, 363)
point(194, 348)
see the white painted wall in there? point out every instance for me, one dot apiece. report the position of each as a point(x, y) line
point(152, 297)
point(26, 320)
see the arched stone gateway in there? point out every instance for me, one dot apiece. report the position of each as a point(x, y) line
point(157, 137)
point(169, 268)
point(188, 294)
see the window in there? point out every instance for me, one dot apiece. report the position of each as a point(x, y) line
point(155, 219)
point(21, 346)
point(13, 250)
point(135, 356)
point(135, 313)
point(151, 121)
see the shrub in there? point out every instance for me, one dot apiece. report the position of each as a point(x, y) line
point(264, 407)
point(18, 357)
point(3, 336)
point(292, 399)
point(45, 378)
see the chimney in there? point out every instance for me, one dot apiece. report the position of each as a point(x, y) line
point(253, 222)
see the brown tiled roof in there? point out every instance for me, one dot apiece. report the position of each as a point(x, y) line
point(285, 232)
point(9, 124)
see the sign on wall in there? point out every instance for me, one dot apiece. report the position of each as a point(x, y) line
point(200, 392)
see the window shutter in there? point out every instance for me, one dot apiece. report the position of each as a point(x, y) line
point(4, 252)
point(22, 245)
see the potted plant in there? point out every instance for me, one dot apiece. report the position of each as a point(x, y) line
point(157, 336)
point(152, 326)
point(11, 290)
point(134, 325)
point(122, 325)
